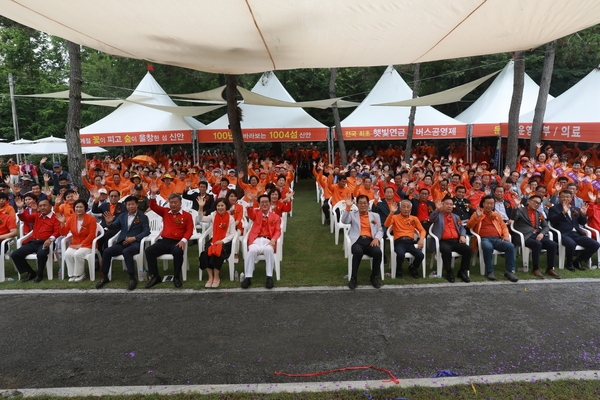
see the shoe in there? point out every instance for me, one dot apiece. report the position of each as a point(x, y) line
point(538, 273)
point(102, 282)
point(39, 278)
point(132, 284)
point(79, 278)
point(246, 283)
point(269, 284)
point(375, 282)
point(352, 284)
point(177, 282)
point(72, 279)
point(30, 277)
point(208, 284)
point(450, 276)
point(552, 273)
point(414, 273)
point(464, 277)
point(511, 276)
point(577, 265)
point(216, 284)
point(399, 274)
point(491, 276)
point(156, 279)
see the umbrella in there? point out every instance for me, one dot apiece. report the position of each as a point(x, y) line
point(144, 159)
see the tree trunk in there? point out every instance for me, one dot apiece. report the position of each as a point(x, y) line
point(234, 114)
point(515, 108)
point(540, 106)
point(336, 120)
point(75, 158)
point(411, 116)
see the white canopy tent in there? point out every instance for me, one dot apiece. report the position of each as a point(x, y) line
point(268, 123)
point(572, 116)
point(491, 108)
point(264, 35)
point(370, 122)
point(134, 124)
point(47, 146)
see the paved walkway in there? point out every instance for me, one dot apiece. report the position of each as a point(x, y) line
point(163, 338)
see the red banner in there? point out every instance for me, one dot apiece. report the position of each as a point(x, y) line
point(265, 135)
point(562, 131)
point(136, 138)
point(399, 132)
point(487, 130)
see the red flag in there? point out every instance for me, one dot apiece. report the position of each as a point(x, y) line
point(149, 67)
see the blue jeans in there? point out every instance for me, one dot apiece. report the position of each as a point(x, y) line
point(489, 244)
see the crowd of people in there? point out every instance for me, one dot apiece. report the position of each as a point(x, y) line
point(445, 197)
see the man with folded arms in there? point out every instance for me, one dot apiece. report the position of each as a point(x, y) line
point(494, 236)
point(534, 227)
point(447, 226)
point(46, 228)
point(404, 226)
point(178, 227)
point(365, 235)
point(133, 226)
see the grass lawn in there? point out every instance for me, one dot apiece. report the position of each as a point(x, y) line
point(310, 258)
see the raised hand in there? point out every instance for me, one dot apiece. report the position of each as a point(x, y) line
point(592, 196)
point(84, 172)
point(108, 217)
point(506, 172)
point(584, 208)
point(394, 207)
point(539, 145)
point(200, 200)
point(61, 218)
point(19, 202)
point(153, 188)
point(349, 201)
point(43, 160)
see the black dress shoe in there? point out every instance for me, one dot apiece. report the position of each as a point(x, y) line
point(269, 284)
point(352, 284)
point(246, 283)
point(375, 282)
point(177, 282)
point(577, 265)
point(463, 276)
point(570, 268)
point(30, 276)
point(399, 274)
point(131, 285)
point(450, 276)
point(414, 273)
point(102, 282)
point(156, 279)
point(39, 278)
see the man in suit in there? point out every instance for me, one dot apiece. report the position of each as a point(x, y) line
point(448, 227)
point(262, 239)
point(422, 208)
point(534, 227)
point(134, 226)
point(462, 205)
point(365, 235)
point(502, 206)
point(209, 201)
point(107, 209)
point(567, 219)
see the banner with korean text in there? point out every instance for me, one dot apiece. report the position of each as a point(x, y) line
point(399, 132)
point(561, 131)
point(265, 135)
point(136, 138)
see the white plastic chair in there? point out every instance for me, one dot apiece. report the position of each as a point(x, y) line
point(597, 233)
point(4, 255)
point(138, 258)
point(166, 257)
point(561, 248)
point(230, 261)
point(526, 251)
point(348, 245)
point(336, 221)
point(495, 254)
point(407, 256)
point(90, 258)
point(33, 256)
point(260, 257)
point(437, 256)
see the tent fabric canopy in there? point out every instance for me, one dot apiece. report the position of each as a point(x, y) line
point(58, 95)
point(259, 100)
point(135, 124)
point(378, 32)
point(390, 123)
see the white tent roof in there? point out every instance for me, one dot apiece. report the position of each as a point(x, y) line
point(132, 120)
point(243, 36)
point(369, 122)
point(572, 116)
point(492, 106)
point(275, 123)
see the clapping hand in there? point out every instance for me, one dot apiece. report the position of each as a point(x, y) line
point(584, 208)
point(61, 218)
point(349, 201)
point(592, 196)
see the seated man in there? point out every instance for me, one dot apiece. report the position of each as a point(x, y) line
point(8, 228)
point(448, 227)
point(365, 234)
point(404, 227)
point(178, 227)
point(494, 236)
point(133, 226)
point(46, 228)
point(534, 227)
point(567, 219)
point(262, 239)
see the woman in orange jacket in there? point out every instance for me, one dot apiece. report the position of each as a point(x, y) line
point(83, 229)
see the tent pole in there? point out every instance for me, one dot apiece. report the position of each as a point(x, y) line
point(11, 85)
point(470, 143)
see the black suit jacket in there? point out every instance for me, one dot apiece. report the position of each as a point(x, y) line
point(565, 224)
point(209, 206)
point(105, 207)
point(140, 227)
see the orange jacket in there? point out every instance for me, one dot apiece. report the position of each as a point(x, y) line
point(83, 237)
